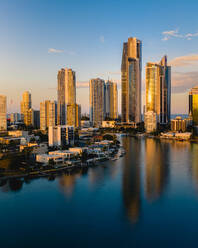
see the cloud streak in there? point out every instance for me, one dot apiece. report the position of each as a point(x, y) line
point(82, 84)
point(183, 81)
point(53, 50)
point(188, 60)
point(167, 35)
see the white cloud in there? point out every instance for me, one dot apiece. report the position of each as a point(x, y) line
point(188, 60)
point(175, 34)
point(183, 81)
point(102, 40)
point(82, 84)
point(53, 50)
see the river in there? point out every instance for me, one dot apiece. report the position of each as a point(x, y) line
point(148, 198)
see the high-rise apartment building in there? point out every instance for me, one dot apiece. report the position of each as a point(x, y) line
point(26, 104)
point(131, 69)
point(15, 117)
point(61, 135)
point(158, 90)
point(66, 92)
point(111, 100)
point(97, 101)
point(3, 113)
point(73, 115)
point(193, 105)
point(48, 114)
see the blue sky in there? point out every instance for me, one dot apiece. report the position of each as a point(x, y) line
point(40, 37)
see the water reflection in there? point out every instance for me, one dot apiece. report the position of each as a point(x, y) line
point(131, 178)
point(156, 168)
point(145, 168)
point(67, 182)
point(11, 185)
point(194, 163)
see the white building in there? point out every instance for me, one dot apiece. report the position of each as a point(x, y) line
point(45, 158)
point(64, 153)
point(3, 113)
point(61, 135)
point(150, 121)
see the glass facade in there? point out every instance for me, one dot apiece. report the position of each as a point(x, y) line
point(131, 80)
point(66, 92)
point(97, 101)
point(193, 105)
point(158, 90)
point(3, 113)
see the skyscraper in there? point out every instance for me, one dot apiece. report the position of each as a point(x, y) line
point(193, 105)
point(26, 104)
point(97, 101)
point(131, 80)
point(48, 114)
point(158, 90)
point(66, 92)
point(111, 100)
point(3, 113)
point(73, 115)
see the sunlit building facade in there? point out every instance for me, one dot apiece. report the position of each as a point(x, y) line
point(150, 121)
point(73, 115)
point(48, 114)
point(193, 105)
point(26, 105)
point(66, 93)
point(111, 100)
point(15, 117)
point(131, 69)
point(158, 90)
point(3, 113)
point(61, 135)
point(97, 101)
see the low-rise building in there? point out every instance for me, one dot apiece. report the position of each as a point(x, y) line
point(78, 150)
point(85, 124)
point(183, 136)
point(46, 158)
point(179, 124)
point(18, 133)
point(108, 124)
point(66, 154)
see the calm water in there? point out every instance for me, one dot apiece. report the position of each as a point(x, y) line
point(149, 198)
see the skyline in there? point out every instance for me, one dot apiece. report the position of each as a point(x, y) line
point(39, 39)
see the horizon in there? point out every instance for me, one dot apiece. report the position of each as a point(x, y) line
point(39, 39)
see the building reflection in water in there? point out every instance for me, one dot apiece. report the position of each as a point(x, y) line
point(131, 178)
point(67, 182)
point(11, 185)
point(194, 164)
point(156, 168)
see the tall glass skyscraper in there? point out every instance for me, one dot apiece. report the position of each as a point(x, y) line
point(66, 92)
point(97, 101)
point(3, 113)
point(26, 105)
point(48, 114)
point(193, 105)
point(131, 69)
point(111, 100)
point(158, 90)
